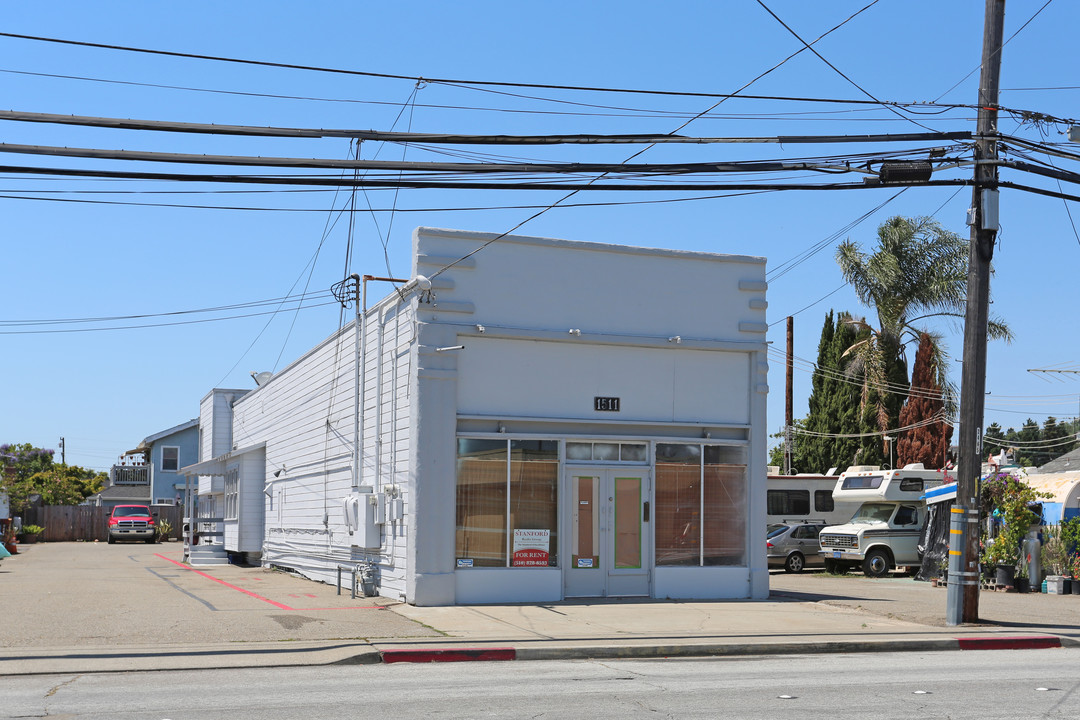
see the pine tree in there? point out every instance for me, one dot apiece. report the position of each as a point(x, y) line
point(929, 443)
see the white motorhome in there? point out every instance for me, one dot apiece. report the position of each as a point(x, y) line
point(805, 498)
point(884, 532)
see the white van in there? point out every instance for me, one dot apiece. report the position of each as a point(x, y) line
point(884, 532)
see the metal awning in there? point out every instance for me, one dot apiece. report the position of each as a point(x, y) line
point(217, 465)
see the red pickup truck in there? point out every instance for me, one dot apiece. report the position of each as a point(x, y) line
point(132, 522)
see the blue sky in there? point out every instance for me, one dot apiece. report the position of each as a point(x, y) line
point(106, 390)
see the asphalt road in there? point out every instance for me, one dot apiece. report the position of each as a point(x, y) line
point(1014, 684)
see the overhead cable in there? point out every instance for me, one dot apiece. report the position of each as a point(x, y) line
point(442, 81)
point(475, 185)
point(459, 139)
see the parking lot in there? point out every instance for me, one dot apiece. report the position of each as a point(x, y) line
point(59, 598)
point(88, 594)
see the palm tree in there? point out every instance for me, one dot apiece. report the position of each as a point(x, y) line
point(917, 273)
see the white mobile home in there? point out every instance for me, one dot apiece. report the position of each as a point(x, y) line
point(542, 419)
point(806, 498)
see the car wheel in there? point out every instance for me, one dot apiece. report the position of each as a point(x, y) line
point(795, 563)
point(835, 568)
point(877, 564)
point(150, 541)
point(111, 539)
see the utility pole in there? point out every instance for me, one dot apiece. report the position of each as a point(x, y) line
point(789, 413)
point(963, 594)
point(62, 451)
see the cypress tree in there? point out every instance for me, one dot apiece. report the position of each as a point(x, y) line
point(833, 404)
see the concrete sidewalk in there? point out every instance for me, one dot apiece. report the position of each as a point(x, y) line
point(86, 607)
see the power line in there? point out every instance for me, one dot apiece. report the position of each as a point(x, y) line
point(836, 69)
point(243, 208)
point(153, 325)
point(460, 139)
point(612, 110)
point(441, 81)
point(447, 184)
point(219, 308)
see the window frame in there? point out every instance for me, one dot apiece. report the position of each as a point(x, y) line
point(232, 493)
point(510, 487)
point(165, 448)
point(703, 449)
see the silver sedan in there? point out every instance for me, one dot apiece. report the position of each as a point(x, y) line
point(794, 546)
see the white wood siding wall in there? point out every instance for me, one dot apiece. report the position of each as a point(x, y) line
point(206, 427)
point(305, 416)
point(251, 512)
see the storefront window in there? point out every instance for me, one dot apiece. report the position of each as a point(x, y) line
point(534, 502)
point(724, 499)
point(700, 504)
point(678, 504)
point(507, 503)
point(481, 502)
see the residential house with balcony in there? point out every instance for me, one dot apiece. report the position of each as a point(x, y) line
point(150, 473)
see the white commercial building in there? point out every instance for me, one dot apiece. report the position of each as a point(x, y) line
point(542, 419)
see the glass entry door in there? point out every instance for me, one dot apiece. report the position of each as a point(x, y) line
point(609, 529)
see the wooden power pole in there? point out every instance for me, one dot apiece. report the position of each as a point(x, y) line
point(963, 595)
point(789, 411)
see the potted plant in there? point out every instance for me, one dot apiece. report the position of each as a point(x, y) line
point(9, 538)
point(1012, 499)
point(30, 533)
point(164, 530)
point(1055, 556)
point(1002, 554)
point(1022, 582)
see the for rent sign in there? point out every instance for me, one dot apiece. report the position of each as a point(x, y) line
point(531, 548)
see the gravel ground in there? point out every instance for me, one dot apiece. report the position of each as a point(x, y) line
point(904, 598)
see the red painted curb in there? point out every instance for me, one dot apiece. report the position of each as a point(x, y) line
point(1014, 643)
point(448, 655)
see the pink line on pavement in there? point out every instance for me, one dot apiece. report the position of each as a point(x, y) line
point(240, 589)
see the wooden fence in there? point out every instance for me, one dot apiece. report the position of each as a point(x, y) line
point(67, 523)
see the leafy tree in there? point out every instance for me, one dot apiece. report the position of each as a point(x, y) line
point(35, 473)
point(917, 272)
point(834, 404)
point(59, 485)
point(776, 453)
point(929, 441)
point(26, 459)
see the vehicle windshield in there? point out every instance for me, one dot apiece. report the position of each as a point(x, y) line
point(131, 511)
point(873, 512)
